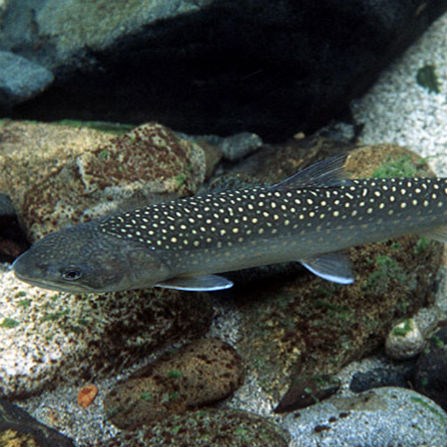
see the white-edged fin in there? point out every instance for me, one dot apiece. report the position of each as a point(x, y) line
point(335, 267)
point(205, 283)
point(437, 233)
point(328, 172)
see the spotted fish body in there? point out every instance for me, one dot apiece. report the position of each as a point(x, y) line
point(310, 217)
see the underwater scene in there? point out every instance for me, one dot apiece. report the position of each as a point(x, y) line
point(223, 223)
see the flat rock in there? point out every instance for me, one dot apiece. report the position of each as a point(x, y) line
point(73, 175)
point(200, 373)
point(203, 428)
point(384, 416)
point(21, 79)
point(50, 338)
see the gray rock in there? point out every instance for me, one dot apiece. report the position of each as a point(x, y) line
point(6, 206)
point(430, 376)
point(240, 145)
point(397, 374)
point(205, 66)
point(384, 416)
point(21, 79)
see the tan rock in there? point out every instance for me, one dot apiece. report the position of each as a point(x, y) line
point(202, 372)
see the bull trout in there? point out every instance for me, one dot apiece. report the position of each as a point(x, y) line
point(183, 244)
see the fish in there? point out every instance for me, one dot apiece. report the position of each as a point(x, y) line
point(311, 217)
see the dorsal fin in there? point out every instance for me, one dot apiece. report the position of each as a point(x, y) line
point(328, 172)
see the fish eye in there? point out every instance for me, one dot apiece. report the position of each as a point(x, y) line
point(71, 274)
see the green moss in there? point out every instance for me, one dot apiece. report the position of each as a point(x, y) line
point(25, 303)
point(105, 126)
point(338, 311)
point(386, 269)
point(242, 433)
point(104, 154)
point(402, 166)
point(427, 78)
point(395, 245)
point(9, 323)
point(169, 397)
point(176, 429)
point(421, 245)
point(54, 316)
point(431, 408)
point(403, 328)
point(438, 342)
point(180, 179)
point(174, 374)
point(146, 395)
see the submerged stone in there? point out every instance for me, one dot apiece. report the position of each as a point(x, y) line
point(200, 373)
point(18, 428)
point(53, 338)
point(204, 428)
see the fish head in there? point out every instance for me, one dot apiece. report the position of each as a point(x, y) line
point(84, 259)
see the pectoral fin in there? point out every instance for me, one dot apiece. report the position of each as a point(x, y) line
point(335, 267)
point(205, 283)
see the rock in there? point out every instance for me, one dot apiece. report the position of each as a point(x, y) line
point(12, 238)
point(240, 145)
point(6, 206)
point(307, 390)
point(86, 179)
point(18, 428)
point(404, 341)
point(203, 428)
point(86, 395)
point(50, 338)
point(382, 417)
point(210, 66)
point(378, 377)
point(200, 373)
point(33, 152)
point(430, 375)
point(21, 79)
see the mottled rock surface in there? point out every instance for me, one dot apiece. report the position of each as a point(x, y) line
point(81, 174)
point(203, 428)
point(382, 417)
point(50, 338)
point(202, 372)
point(19, 429)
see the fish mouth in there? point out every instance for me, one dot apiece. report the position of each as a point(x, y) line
point(47, 285)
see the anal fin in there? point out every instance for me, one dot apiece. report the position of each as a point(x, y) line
point(205, 283)
point(335, 267)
